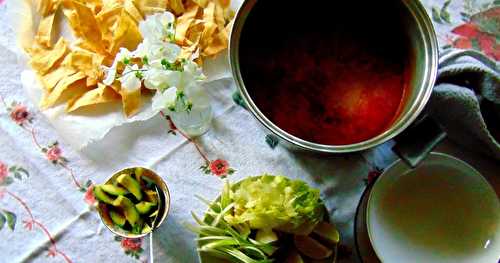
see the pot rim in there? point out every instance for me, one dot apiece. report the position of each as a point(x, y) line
point(426, 29)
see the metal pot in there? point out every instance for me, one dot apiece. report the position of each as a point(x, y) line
point(425, 49)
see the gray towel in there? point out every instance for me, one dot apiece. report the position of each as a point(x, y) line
point(466, 101)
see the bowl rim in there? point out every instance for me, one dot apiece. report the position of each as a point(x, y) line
point(434, 156)
point(164, 189)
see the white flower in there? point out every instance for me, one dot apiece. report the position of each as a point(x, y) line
point(158, 27)
point(156, 51)
point(163, 50)
point(130, 80)
point(159, 79)
point(164, 99)
point(123, 54)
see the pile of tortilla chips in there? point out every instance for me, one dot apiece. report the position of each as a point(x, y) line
point(71, 72)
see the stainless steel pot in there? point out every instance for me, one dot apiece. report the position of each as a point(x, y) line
point(425, 48)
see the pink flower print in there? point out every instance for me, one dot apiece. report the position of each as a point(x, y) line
point(19, 114)
point(4, 172)
point(54, 153)
point(89, 196)
point(131, 244)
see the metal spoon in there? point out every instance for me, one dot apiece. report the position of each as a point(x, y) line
point(155, 222)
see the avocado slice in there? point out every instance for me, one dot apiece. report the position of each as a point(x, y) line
point(327, 233)
point(138, 173)
point(131, 214)
point(311, 248)
point(113, 190)
point(102, 196)
point(117, 218)
point(144, 207)
point(131, 184)
point(146, 229)
point(151, 196)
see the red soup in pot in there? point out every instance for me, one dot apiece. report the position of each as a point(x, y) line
point(334, 75)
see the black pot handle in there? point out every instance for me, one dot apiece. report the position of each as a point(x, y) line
point(417, 141)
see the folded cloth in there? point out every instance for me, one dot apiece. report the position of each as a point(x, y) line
point(466, 100)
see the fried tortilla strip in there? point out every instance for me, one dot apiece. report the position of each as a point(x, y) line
point(46, 7)
point(176, 6)
point(87, 27)
point(101, 94)
point(126, 35)
point(108, 19)
point(218, 44)
point(201, 3)
point(51, 79)
point(88, 63)
point(184, 22)
point(44, 34)
point(210, 25)
point(133, 11)
point(149, 7)
point(43, 60)
point(71, 85)
point(131, 101)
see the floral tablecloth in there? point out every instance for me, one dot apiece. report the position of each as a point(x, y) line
point(46, 211)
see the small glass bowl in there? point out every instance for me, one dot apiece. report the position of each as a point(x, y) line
point(163, 208)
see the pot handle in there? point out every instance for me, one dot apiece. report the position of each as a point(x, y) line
point(413, 145)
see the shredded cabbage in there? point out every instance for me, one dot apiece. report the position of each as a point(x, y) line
point(275, 202)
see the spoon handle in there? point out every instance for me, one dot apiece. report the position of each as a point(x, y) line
point(151, 257)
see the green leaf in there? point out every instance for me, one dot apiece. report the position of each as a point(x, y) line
point(22, 170)
point(7, 181)
point(445, 15)
point(489, 26)
point(238, 99)
point(2, 221)
point(272, 141)
point(436, 16)
point(11, 219)
point(12, 169)
point(17, 176)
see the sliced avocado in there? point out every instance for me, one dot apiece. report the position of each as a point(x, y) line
point(151, 196)
point(131, 214)
point(145, 207)
point(148, 182)
point(294, 257)
point(113, 190)
point(146, 229)
point(311, 248)
point(102, 196)
point(131, 184)
point(138, 173)
point(137, 228)
point(327, 233)
point(117, 218)
point(266, 236)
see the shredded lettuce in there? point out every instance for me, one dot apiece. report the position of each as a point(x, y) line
point(276, 202)
point(264, 203)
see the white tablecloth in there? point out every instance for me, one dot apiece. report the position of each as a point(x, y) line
point(59, 208)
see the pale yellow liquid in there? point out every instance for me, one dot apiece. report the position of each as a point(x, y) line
point(440, 210)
